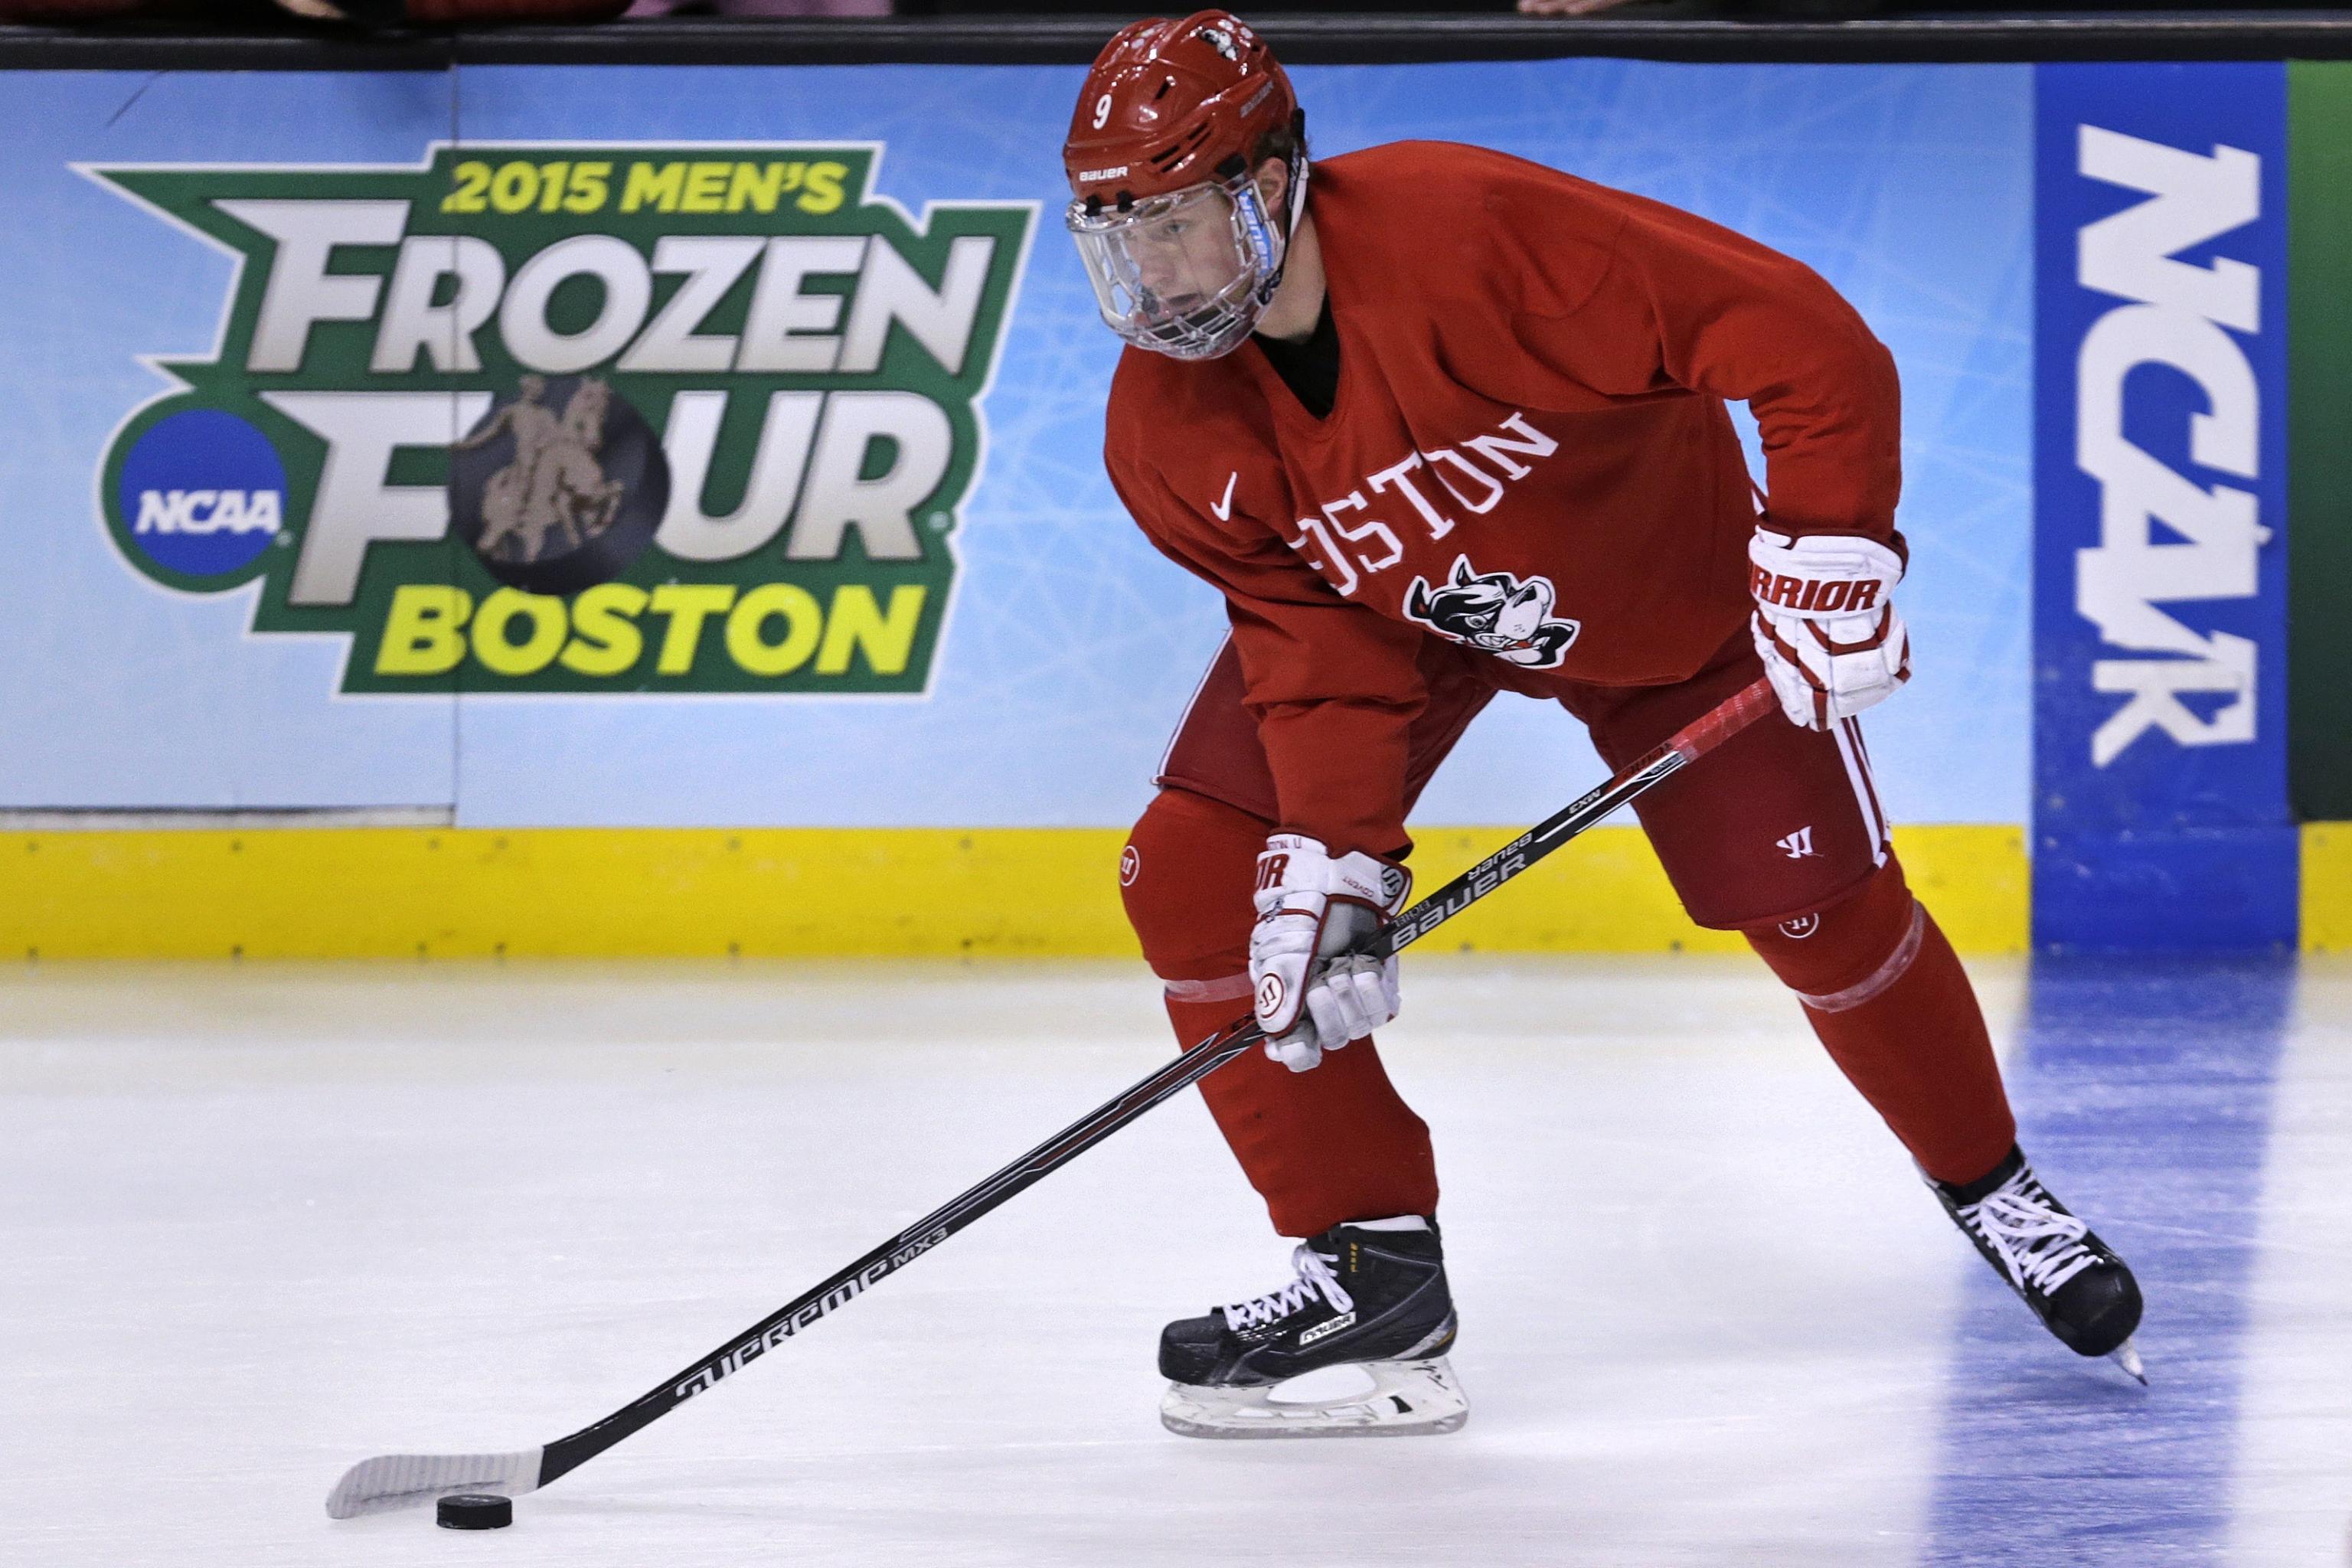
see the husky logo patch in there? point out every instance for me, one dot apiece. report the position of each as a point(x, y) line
point(1496, 612)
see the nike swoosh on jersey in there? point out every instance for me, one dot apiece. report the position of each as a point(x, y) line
point(1224, 507)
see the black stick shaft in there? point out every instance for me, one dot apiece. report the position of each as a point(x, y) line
point(1703, 735)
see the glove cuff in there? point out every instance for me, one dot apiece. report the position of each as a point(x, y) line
point(1295, 863)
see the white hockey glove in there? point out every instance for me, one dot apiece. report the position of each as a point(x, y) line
point(1313, 995)
point(1825, 623)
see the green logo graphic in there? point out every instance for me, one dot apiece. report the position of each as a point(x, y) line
point(811, 359)
point(2319, 419)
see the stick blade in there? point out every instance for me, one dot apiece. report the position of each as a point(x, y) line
point(390, 1481)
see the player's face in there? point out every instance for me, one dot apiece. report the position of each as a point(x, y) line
point(1186, 257)
point(1185, 273)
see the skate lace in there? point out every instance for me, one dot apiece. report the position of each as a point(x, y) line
point(2039, 1244)
point(1314, 1277)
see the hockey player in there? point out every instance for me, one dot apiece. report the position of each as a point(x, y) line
point(1438, 423)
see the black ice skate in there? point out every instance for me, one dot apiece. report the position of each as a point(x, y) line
point(1369, 1295)
point(2074, 1281)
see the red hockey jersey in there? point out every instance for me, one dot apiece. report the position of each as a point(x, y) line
point(1527, 454)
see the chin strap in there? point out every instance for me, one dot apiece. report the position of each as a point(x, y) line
point(1297, 209)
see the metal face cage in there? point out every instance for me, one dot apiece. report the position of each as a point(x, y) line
point(1186, 274)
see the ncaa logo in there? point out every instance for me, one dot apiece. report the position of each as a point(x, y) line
point(202, 493)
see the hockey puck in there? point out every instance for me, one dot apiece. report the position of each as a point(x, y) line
point(474, 1510)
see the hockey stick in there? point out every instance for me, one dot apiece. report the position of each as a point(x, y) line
point(401, 1481)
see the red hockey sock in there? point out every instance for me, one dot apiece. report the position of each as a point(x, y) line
point(1887, 996)
point(1321, 1147)
point(1333, 1144)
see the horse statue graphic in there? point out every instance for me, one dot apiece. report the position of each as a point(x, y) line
point(555, 486)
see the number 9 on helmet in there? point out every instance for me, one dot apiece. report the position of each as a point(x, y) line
point(1181, 228)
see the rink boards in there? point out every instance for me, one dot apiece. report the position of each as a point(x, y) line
point(895, 670)
point(880, 893)
point(805, 892)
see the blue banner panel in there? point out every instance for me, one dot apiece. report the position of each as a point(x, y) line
point(2160, 810)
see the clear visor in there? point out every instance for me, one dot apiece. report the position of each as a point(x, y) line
point(1186, 274)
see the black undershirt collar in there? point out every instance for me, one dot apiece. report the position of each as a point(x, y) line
point(1311, 369)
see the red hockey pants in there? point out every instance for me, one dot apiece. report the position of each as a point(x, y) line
point(1778, 835)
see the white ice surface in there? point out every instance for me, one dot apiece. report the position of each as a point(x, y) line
point(2293, 1498)
point(258, 1224)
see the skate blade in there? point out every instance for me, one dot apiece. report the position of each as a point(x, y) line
point(2127, 1357)
point(1407, 1399)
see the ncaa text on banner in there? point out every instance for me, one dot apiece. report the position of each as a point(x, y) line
point(2180, 316)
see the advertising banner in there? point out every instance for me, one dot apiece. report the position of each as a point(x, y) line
point(700, 446)
point(2160, 806)
point(425, 429)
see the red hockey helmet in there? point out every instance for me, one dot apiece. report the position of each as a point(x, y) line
point(1161, 153)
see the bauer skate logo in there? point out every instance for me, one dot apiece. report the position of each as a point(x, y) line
point(1325, 1331)
point(758, 1345)
point(1494, 612)
point(1797, 846)
point(707, 419)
